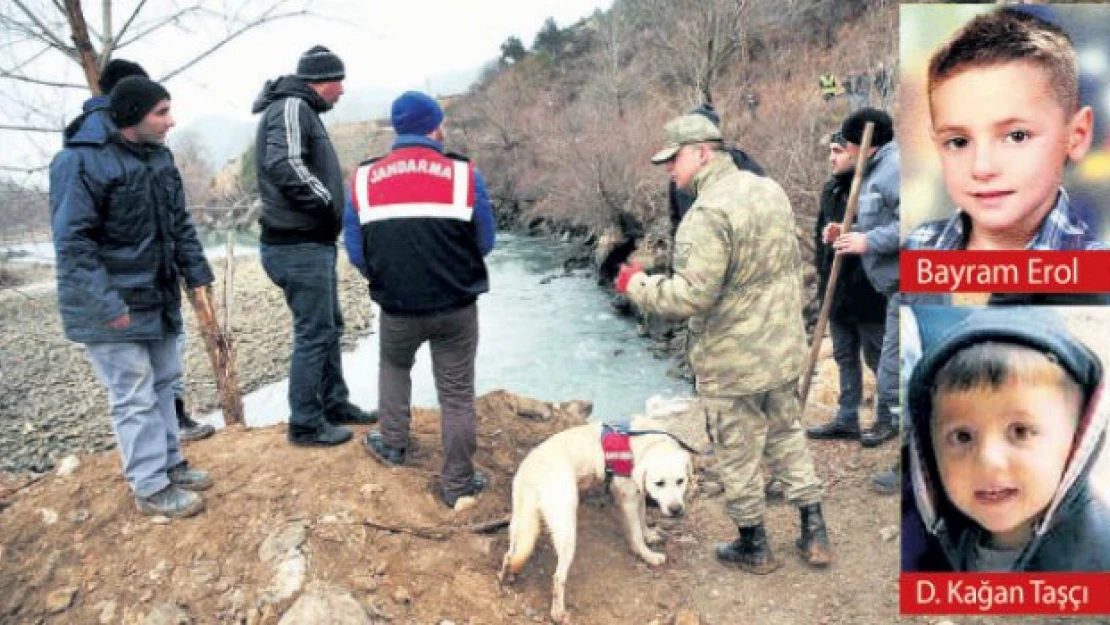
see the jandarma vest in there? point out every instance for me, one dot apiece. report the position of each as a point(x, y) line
point(416, 210)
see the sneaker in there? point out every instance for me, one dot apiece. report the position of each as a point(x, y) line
point(478, 483)
point(171, 502)
point(183, 476)
point(187, 429)
point(350, 414)
point(378, 450)
point(323, 435)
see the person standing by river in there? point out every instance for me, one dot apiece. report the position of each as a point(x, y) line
point(418, 224)
point(738, 279)
point(302, 206)
point(123, 239)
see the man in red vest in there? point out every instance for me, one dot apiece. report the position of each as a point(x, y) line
point(418, 225)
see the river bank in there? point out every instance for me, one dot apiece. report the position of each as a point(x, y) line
point(51, 404)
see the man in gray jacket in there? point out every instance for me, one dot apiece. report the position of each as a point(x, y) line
point(874, 237)
point(302, 192)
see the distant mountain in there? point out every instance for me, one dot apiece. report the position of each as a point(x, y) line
point(223, 138)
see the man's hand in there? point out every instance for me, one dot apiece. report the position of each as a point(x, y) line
point(626, 273)
point(851, 243)
point(831, 232)
point(120, 323)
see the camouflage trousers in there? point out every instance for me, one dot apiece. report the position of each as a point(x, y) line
point(747, 429)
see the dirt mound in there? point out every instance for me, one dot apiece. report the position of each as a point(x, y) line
point(73, 549)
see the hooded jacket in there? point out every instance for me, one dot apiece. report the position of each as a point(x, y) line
point(299, 177)
point(878, 217)
point(122, 236)
point(1073, 533)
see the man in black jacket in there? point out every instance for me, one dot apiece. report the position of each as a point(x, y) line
point(302, 207)
point(856, 318)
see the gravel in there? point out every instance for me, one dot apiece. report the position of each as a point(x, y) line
point(51, 404)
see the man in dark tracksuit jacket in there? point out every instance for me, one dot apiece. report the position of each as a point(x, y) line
point(302, 206)
point(123, 240)
point(419, 223)
point(858, 311)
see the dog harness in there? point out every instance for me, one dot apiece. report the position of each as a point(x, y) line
point(617, 445)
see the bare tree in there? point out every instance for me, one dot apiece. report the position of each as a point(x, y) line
point(51, 47)
point(695, 40)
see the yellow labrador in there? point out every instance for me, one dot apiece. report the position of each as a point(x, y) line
point(547, 484)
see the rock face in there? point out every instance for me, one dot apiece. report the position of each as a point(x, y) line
point(322, 604)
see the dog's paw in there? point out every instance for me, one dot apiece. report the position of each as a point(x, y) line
point(654, 558)
point(653, 536)
point(559, 616)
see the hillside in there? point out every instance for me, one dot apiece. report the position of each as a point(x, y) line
point(564, 133)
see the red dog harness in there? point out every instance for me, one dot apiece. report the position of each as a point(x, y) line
point(617, 445)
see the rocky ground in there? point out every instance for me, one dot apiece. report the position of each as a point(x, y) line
point(51, 404)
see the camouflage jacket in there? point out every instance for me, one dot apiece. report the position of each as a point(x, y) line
point(738, 278)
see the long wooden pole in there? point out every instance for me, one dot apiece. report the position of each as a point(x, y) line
point(834, 272)
point(221, 353)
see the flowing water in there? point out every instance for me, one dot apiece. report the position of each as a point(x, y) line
point(551, 339)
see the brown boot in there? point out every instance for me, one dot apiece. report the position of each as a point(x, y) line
point(814, 541)
point(750, 551)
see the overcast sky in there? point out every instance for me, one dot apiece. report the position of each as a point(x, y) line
point(386, 44)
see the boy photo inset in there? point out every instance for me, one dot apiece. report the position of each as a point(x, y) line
point(996, 115)
point(1006, 436)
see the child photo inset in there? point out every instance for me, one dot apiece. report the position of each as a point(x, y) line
point(1004, 127)
point(1004, 467)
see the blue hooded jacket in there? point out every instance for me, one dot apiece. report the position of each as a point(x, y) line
point(122, 236)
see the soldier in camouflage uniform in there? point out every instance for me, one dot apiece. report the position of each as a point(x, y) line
point(738, 278)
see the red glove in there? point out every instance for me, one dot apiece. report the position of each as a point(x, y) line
point(626, 273)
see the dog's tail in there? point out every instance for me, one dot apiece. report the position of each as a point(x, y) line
point(524, 529)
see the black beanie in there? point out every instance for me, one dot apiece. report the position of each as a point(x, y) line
point(134, 97)
point(852, 128)
point(320, 65)
point(116, 70)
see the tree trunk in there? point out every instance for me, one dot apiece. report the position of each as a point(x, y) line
point(86, 54)
point(221, 353)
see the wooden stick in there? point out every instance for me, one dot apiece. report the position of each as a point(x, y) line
point(221, 354)
point(834, 272)
point(442, 532)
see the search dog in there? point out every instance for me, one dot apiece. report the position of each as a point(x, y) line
point(547, 484)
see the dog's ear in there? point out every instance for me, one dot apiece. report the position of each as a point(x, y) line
point(639, 477)
point(691, 483)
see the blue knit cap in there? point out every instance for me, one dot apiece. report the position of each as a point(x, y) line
point(415, 113)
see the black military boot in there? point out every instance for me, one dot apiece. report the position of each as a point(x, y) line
point(187, 429)
point(814, 541)
point(750, 551)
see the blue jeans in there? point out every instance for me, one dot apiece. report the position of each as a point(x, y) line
point(888, 406)
point(179, 382)
point(305, 272)
point(139, 378)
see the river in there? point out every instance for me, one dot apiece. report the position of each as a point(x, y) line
point(551, 339)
